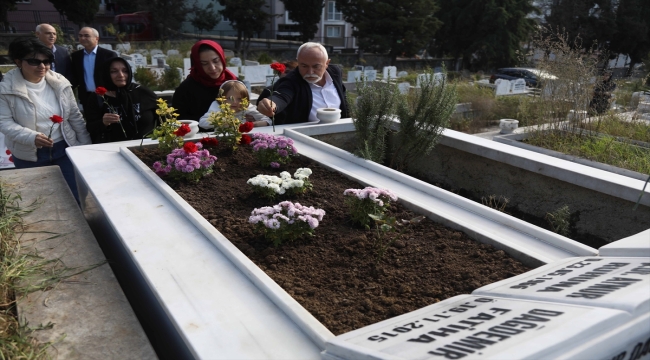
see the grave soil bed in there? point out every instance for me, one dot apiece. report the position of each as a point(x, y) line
point(337, 274)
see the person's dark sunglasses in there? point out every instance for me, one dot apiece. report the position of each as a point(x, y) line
point(37, 62)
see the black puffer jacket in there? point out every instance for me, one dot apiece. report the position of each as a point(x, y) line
point(135, 103)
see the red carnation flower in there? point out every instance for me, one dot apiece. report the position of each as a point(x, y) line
point(11, 158)
point(190, 147)
point(280, 68)
point(183, 130)
point(209, 141)
point(56, 119)
point(8, 152)
point(245, 140)
point(246, 127)
point(101, 91)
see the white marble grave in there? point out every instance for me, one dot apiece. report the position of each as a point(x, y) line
point(369, 75)
point(187, 64)
point(234, 70)
point(477, 327)
point(106, 46)
point(503, 87)
point(235, 61)
point(139, 60)
point(389, 72)
point(518, 86)
point(621, 283)
point(632, 246)
point(124, 47)
point(172, 52)
point(404, 87)
point(256, 74)
point(251, 63)
point(159, 60)
point(156, 52)
point(402, 74)
point(354, 76)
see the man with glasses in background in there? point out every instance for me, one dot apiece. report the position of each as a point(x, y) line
point(86, 64)
point(47, 35)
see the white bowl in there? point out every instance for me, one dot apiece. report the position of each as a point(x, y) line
point(328, 115)
point(508, 125)
point(194, 126)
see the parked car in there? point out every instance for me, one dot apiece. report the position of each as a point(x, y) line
point(533, 77)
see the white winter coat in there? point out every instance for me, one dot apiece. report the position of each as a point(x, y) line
point(18, 114)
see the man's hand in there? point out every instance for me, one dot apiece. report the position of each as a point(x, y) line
point(266, 107)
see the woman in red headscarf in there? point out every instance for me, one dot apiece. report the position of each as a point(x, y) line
point(194, 95)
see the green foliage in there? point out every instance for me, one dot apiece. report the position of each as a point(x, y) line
point(396, 27)
point(226, 123)
point(363, 207)
point(146, 78)
point(484, 33)
point(111, 30)
point(62, 38)
point(422, 117)
point(170, 79)
point(248, 17)
point(497, 203)
point(559, 220)
point(80, 12)
point(164, 133)
point(264, 58)
point(307, 14)
point(590, 20)
point(632, 35)
point(204, 18)
point(6, 6)
point(373, 112)
point(168, 15)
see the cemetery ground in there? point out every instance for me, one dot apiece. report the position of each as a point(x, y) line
point(346, 276)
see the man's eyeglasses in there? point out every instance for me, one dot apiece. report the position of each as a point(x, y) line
point(85, 35)
point(37, 62)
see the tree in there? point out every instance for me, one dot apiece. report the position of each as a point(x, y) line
point(485, 33)
point(80, 12)
point(5, 7)
point(247, 17)
point(168, 15)
point(632, 34)
point(204, 18)
point(307, 14)
point(396, 27)
point(593, 21)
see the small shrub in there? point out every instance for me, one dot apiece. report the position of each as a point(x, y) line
point(365, 202)
point(146, 78)
point(286, 221)
point(558, 220)
point(170, 79)
point(264, 58)
point(497, 203)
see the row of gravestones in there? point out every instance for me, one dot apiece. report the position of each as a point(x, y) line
point(594, 307)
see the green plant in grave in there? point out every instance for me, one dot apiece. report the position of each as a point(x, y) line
point(559, 220)
point(373, 111)
point(167, 132)
point(423, 115)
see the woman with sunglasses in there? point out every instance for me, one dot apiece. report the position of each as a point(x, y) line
point(33, 100)
point(126, 112)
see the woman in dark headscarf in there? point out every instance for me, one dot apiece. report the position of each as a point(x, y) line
point(193, 97)
point(126, 112)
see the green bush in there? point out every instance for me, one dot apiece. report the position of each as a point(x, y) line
point(264, 58)
point(146, 78)
point(170, 80)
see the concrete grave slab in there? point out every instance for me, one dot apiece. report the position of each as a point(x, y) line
point(88, 308)
point(478, 328)
point(156, 52)
point(256, 74)
point(389, 72)
point(139, 60)
point(370, 75)
point(621, 283)
point(503, 87)
point(404, 87)
point(106, 46)
point(402, 74)
point(235, 61)
point(159, 60)
point(518, 86)
point(172, 52)
point(354, 76)
point(251, 63)
point(633, 246)
point(234, 70)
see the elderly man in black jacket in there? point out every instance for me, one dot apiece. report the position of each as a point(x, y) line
point(62, 64)
point(312, 85)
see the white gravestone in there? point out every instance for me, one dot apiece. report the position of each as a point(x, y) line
point(404, 87)
point(234, 70)
point(123, 47)
point(126, 57)
point(402, 74)
point(156, 52)
point(358, 67)
point(187, 64)
point(106, 46)
point(369, 75)
point(389, 72)
point(422, 78)
point(235, 61)
point(172, 52)
point(270, 79)
point(159, 60)
point(251, 63)
point(354, 76)
point(256, 74)
point(139, 60)
point(607, 282)
point(637, 245)
point(477, 327)
point(519, 86)
point(503, 87)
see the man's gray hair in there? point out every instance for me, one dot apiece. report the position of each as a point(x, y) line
point(93, 30)
point(38, 27)
point(309, 45)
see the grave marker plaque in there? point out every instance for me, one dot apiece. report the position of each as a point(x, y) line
point(404, 87)
point(370, 75)
point(477, 327)
point(156, 52)
point(139, 60)
point(389, 72)
point(637, 245)
point(503, 87)
point(519, 86)
point(256, 74)
point(354, 76)
point(422, 78)
point(608, 282)
point(235, 61)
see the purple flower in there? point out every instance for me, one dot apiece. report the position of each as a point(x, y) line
point(275, 165)
point(283, 153)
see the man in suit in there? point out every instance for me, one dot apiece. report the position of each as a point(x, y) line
point(86, 63)
point(47, 35)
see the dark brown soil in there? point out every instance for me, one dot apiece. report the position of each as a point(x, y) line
point(337, 275)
